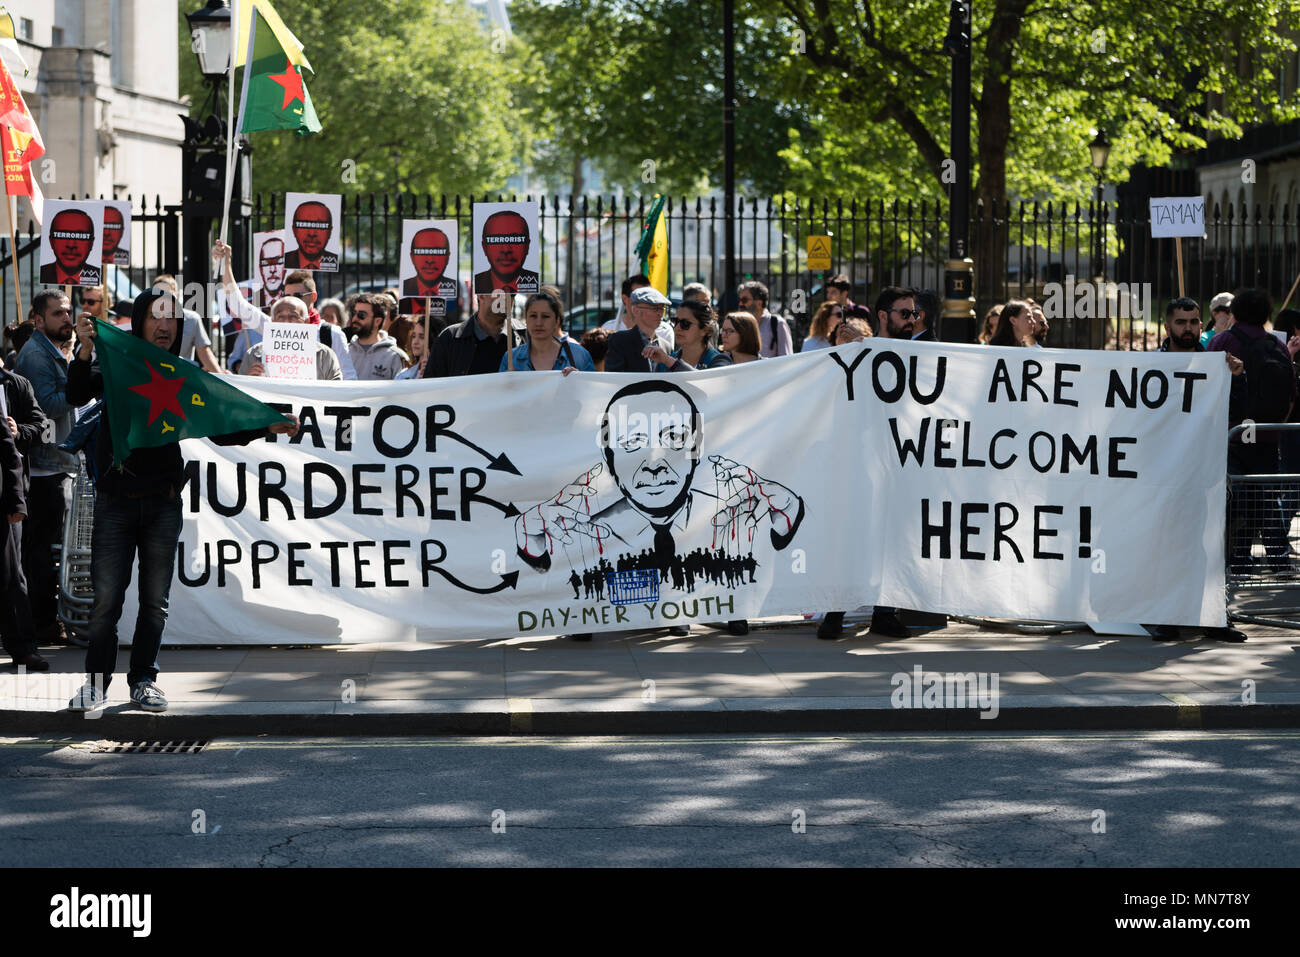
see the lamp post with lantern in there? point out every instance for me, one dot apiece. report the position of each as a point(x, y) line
point(1099, 150)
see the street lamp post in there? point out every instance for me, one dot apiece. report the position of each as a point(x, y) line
point(1099, 149)
point(204, 149)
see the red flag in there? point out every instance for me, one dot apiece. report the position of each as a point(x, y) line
point(20, 141)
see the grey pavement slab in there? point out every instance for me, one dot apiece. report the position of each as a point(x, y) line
point(780, 676)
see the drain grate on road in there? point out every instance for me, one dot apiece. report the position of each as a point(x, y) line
point(149, 747)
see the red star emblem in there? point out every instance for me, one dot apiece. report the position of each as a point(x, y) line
point(162, 394)
point(291, 80)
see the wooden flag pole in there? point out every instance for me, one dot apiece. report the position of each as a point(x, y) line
point(510, 338)
point(1294, 285)
point(424, 358)
point(10, 215)
point(1178, 249)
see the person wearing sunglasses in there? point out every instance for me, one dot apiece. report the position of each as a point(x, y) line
point(896, 312)
point(828, 315)
point(94, 301)
point(696, 330)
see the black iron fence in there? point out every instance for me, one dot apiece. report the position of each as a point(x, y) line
point(1054, 252)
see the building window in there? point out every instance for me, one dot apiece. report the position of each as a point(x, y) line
point(25, 29)
point(56, 36)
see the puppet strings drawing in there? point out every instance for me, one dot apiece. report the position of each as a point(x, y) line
point(642, 510)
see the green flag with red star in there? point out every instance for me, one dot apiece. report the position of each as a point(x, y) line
point(151, 397)
point(274, 97)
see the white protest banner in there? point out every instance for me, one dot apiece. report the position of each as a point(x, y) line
point(973, 480)
point(1177, 216)
point(289, 350)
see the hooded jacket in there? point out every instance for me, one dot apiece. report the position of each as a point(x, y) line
point(382, 359)
point(159, 470)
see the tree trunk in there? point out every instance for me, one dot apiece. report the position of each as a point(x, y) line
point(994, 116)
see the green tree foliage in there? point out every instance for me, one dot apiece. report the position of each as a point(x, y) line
point(636, 87)
point(420, 95)
point(1045, 74)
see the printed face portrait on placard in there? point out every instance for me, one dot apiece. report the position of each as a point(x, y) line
point(311, 231)
point(117, 233)
point(268, 256)
point(429, 258)
point(72, 243)
point(506, 247)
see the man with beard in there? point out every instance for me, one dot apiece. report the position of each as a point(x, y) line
point(312, 227)
point(113, 238)
point(773, 330)
point(72, 237)
point(44, 363)
point(430, 253)
point(137, 514)
point(505, 244)
point(374, 352)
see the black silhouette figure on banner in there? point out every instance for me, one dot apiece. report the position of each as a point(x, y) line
point(313, 224)
point(643, 507)
point(505, 244)
point(72, 238)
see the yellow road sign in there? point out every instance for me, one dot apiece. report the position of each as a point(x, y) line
point(819, 252)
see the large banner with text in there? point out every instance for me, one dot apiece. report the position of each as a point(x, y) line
point(973, 480)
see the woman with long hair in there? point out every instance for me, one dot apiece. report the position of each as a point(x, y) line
point(739, 337)
point(545, 346)
point(829, 314)
point(1016, 325)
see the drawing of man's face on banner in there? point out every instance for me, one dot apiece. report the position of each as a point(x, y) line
point(429, 258)
point(504, 255)
point(311, 231)
point(270, 262)
point(71, 245)
point(117, 233)
point(652, 437)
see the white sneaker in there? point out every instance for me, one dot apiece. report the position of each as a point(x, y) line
point(88, 698)
point(146, 694)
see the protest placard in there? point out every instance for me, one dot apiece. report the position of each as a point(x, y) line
point(289, 350)
point(312, 231)
point(72, 243)
point(506, 248)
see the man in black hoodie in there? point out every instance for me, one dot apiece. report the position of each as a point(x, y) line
point(137, 509)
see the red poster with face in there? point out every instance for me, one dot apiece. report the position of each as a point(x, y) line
point(429, 265)
point(507, 248)
point(72, 243)
point(313, 231)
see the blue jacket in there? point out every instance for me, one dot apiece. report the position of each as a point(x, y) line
point(43, 365)
point(712, 359)
point(570, 354)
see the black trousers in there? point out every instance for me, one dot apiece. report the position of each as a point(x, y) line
point(16, 629)
point(47, 507)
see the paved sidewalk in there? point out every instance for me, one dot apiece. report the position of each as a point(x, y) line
point(778, 678)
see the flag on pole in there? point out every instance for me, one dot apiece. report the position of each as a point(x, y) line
point(653, 246)
point(9, 38)
point(274, 96)
point(153, 398)
point(292, 48)
point(20, 142)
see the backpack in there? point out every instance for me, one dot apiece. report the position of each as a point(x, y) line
point(1270, 377)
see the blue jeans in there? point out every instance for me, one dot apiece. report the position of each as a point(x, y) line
point(124, 526)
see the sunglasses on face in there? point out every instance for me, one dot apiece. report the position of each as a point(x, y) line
point(358, 314)
point(684, 323)
point(906, 313)
point(91, 302)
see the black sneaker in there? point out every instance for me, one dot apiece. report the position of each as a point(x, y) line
point(680, 631)
point(832, 626)
point(580, 636)
point(738, 627)
point(1226, 634)
point(1164, 632)
point(888, 623)
point(147, 696)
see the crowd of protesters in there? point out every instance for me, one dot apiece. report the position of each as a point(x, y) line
point(368, 337)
